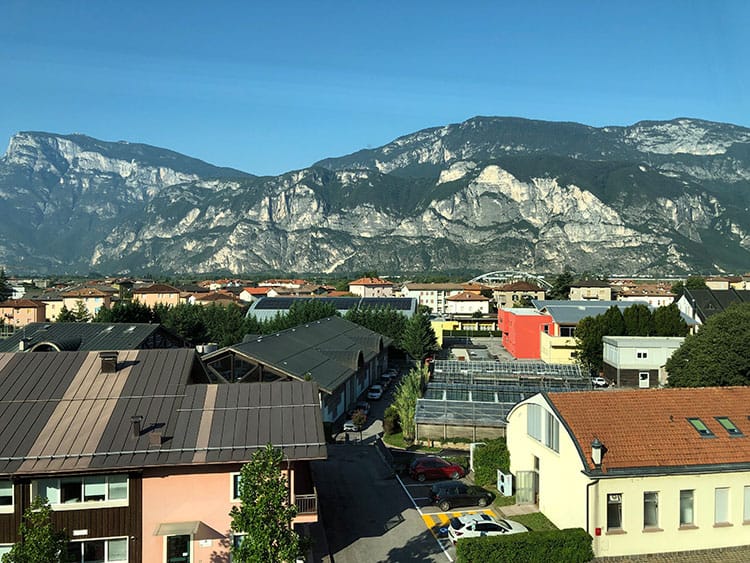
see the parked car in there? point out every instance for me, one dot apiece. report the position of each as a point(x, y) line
point(391, 375)
point(363, 406)
point(433, 467)
point(599, 382)
point(450, 494)
point(375, 392)
point(351, 426)
point(476, 525)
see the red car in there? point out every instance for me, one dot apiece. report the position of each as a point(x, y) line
point(433, 467)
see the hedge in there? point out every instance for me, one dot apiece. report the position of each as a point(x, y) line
point(488, 459)
point(571, 546)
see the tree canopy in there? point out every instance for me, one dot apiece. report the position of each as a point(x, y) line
point(384, 320)
point(405, 398)
point(40, 542)
point(717, 355)
point(263, 520)
point(419, 340)
point(5, 290)
point(561, 285)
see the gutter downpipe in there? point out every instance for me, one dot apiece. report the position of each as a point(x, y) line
point(588, 496)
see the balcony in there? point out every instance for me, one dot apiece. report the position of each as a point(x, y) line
point(304, 494)
point(306, 504)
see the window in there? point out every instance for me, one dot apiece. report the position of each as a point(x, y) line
point(6, 496)
point(651, 510)
point(235, 486)
point(552, 437)
point(98, 551)
point(721, 505)
point(534, 421)
point(701, 427)
point(746, 505)
point(687, 516)
point(729, 426)
point(78, 490)
point(4, 549)
point(568, 331)
point(641, 354)
point(614, 511)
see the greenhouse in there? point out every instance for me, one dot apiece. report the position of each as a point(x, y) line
point(470, 400)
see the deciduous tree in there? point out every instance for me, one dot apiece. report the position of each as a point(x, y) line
point(264, 517)
point(39, 541)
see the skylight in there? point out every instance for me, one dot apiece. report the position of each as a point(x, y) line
point(729, 426)
point(701, 427)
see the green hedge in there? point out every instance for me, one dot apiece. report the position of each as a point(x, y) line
point(488, 459)
point(571, 546)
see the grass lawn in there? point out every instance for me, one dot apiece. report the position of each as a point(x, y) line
point(536, 521)
point(397, 441)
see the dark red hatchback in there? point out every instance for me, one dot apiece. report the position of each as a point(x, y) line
point(433, 467)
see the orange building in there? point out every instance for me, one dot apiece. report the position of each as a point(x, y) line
point(20, 312)
point(522, 330)
point(156, 294)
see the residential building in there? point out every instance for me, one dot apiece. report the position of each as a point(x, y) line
point(157, 294)
point(655, 294)
point(342, 357)
point(221, 297)
point(20, 312)
point(91, 298)
point(586, 290)
point(53, 304)
point(642, 470)
point(252, 294)
point(129, 450)
point(284, 283)
point(638, 361)
point(267, 308)
point(432, 295)
point(467, 303)
point(725, 282)
point(700, 304)
point(371, 287)
point(522, 329)
point(515, 293)
point(68, 337)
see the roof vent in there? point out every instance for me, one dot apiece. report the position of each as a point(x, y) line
point(22, 344)
point(109, 361)
point(154, 439)
point(135, 425)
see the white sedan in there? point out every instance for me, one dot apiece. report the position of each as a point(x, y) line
point(375, 392)
point(477, 525)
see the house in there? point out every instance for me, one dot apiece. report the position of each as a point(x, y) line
point(59, 337)
point(190, 291)
point(20, 312)
point(283, 283)
point(432, 295)
point(139, 455)
point(700, 304)
point(252, 294)
point(91, 298)
point(725, 282)
point(642, 470)
point(521, 331)
point(267, 308)
point(221, 297)
point(585, 290)
point(467, 303)
point(517, 292)
point(157, 294)
point(638, 361)
point(655, 294)
point(371, 287)
point(342, 357)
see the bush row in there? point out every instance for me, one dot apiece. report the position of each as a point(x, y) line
point(571, 546)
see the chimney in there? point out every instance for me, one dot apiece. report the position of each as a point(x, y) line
point(109, 361)
point(135, 425)
point(154, 439)
point(22, 345)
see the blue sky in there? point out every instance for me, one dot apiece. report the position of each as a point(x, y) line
point(268, 87)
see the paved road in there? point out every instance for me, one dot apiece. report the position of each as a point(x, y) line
point(367, 516)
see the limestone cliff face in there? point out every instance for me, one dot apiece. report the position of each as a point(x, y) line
point(490, 193)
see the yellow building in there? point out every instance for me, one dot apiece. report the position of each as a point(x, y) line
point(91, 298)
point(643, 471)
point(157, 294)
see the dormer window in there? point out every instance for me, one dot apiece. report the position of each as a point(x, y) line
point(729, 426)
point(701, 427)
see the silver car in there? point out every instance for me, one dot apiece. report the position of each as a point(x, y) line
point(478, 525)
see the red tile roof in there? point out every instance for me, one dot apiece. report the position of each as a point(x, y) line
point(85, 292)
point(257, 290)
point(648, 428)
point(467, 296)
point(157, 288)
point(21, 304)
point(370, 281)
point(519, 286)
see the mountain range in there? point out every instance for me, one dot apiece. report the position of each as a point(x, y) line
point(491, 193)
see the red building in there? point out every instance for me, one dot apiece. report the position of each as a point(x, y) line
point(521, 329)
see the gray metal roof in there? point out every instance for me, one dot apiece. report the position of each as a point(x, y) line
point(61, 412)
point(325, 351)
point(268, 307)
point(571, 312)
point(89, 336)
point(708, 302)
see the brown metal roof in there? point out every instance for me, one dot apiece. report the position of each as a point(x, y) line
point(59, 412)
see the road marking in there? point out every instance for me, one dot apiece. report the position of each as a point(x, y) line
point(421, 498)
point(419, 510)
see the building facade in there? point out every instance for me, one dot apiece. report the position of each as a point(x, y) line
point(638, 361)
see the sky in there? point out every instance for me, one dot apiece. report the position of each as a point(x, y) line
point(268, 87)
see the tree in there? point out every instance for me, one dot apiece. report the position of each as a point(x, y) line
point(717, 354)
point(405, 399)
point(383, 320)
point(561, 285)
point(419, 339)
point(5, 290)
point(66, 316)
point(264, 517)
point(667, 321)
point(81, 313)
point(588, 335)
point(125, 312)
point(39, 541)
point(638, 321)
point(693, 282)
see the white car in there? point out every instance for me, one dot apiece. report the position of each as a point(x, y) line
point(599, 382)
point(351, 426)
point(478, 525)
point(375, 392)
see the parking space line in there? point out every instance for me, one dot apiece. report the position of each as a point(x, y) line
point(423, 515)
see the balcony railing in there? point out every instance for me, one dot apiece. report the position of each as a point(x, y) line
point(306, 504)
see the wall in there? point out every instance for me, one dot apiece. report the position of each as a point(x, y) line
point(449, 432)
point(521, 333)
point(557, 349)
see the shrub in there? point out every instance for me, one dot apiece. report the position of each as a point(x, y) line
point(572, 546)
point(488, 459)
point(391, 421)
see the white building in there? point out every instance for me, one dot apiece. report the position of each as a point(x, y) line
point(638, 361)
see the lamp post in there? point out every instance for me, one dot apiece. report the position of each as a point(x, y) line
point(596, 453)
